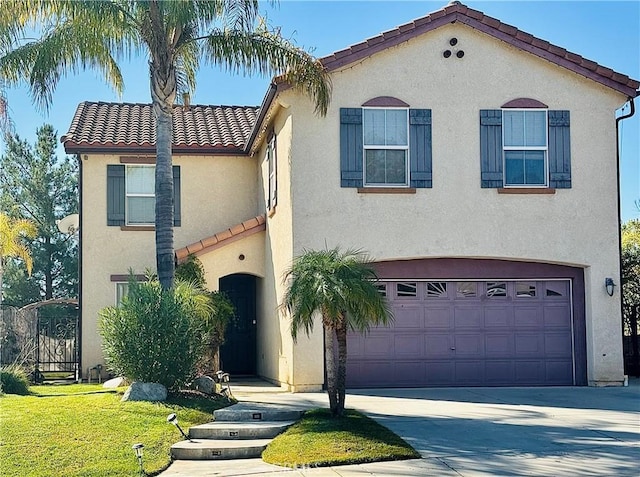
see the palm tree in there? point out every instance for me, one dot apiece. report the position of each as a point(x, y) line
point(12, 235)
point(340, 286)
point(175, 35)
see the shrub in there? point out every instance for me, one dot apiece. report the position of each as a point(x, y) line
point(215, 324)
point(13, 380)
point(155, 335)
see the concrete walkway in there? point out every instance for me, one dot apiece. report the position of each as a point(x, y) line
point(473, 432)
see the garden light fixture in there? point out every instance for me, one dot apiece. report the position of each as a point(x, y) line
point(173, 419)
point(137, 448)
point(609, 285)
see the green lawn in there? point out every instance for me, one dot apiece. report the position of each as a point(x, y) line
point(320, 440)
point(85, 430)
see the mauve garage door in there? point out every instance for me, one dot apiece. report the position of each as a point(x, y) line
point(468, 333)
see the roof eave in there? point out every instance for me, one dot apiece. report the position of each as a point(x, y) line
point(71, 147)
point(502, 31)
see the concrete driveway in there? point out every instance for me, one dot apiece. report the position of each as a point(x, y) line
point(515, 431)
point(465, 432)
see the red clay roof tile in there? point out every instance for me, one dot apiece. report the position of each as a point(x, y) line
point(128, 127)
point(236, 232)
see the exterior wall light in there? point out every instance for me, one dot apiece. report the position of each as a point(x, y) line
point(173, 419)
point(137, 448)
point(609, 285)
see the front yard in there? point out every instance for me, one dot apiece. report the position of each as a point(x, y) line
point(85, 430)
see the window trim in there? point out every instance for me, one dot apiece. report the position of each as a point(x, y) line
point(366, 147)
point(506, 148)
point(127, 195)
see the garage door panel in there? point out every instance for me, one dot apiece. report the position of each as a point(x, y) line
point(469, 345)
point(378, 344)
point(498, 345)
point(355, 346)
point(437, 318)
point(374, 373)
point(558, 372)
point(499, 372)
point(556, 316)
point(528, 345)
point(529, 372)
point(439, 345)
point(527, 317)
point(557, 345)
point(440, 373)
point(455, 334)
point(409, 346)
point(497, 316)
point(409, 373)
point(467, 317)
point(407, 316)
point(469, 373)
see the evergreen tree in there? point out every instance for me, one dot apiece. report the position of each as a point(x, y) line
point(36, 185)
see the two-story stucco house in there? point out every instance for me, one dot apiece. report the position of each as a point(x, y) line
point(475, 162)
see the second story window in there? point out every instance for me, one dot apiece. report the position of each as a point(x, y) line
point(140, 193)
point(386, 147)
point(525, 147)
point(131, 199)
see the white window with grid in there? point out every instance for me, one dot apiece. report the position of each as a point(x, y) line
point(386, 147)
point(140, 195)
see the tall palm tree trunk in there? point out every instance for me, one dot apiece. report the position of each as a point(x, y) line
point(341, 335)
point(330, 366)
point(163, 94)
point(164, 199)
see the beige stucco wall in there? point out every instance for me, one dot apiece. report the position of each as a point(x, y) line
point(278, 359)
point(217, 193)
point(456, 218)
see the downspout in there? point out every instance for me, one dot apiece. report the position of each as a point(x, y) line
point(618, 120)
point(80, 299)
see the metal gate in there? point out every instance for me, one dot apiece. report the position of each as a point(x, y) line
point(57, 350)
point(42, 338)
point(631, 340)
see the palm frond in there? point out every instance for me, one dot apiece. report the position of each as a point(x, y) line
point(266, 53)
point(337, 285)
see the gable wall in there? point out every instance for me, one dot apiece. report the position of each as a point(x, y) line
point(456, 218)
point(217, 193)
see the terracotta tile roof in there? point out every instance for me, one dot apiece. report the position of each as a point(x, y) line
point(244, 229)
point(457, 12)
point(127, 127)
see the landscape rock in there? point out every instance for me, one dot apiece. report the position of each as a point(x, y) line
point(145, 392)
point(114, 383)
point(204, 384)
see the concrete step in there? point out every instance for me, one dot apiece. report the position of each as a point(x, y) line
point(238, 430)
point(251, 412)
point(216, 449)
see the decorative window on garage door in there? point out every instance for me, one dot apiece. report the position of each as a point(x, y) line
point(407, 290)
point(436, 289)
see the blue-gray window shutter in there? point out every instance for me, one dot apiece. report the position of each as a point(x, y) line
point(420, 147)
point(351, 152)
point(115, 195)
point(559, 150)
point(177, 219)
point(491, 173)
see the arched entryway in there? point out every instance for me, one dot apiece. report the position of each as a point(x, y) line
point(238, 353)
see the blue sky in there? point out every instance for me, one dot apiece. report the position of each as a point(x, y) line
point(607, 32)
